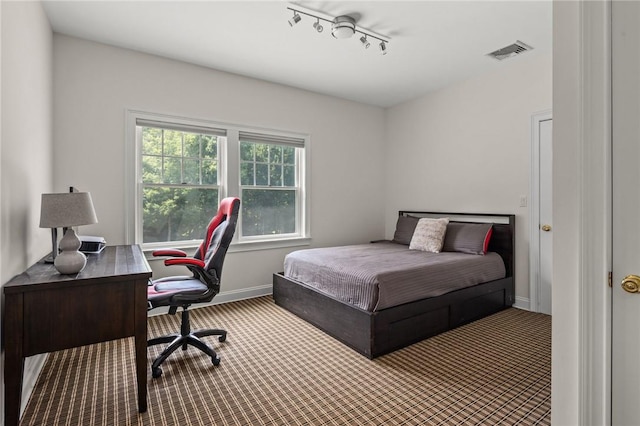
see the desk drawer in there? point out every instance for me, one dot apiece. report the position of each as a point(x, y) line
point(78, 315)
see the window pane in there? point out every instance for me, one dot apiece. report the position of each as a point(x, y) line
point(172, 171)
point(268, 212)
point(262, 174)
point(209, 172)
point(275, 173)
point(289, 155)
point(172, 143)
point(275, 154)
point(151, 169)
point(262, 152)
point(151, 141)
point(191, 171)
point(289, 176)
point(209, 146)
point(246, 174)
point(192, 145)
point(177, 214)
point(246, 151)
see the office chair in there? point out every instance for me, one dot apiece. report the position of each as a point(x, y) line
point(182, 291)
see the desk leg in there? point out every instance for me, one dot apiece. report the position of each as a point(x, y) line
point(141, 372)
point(141, 342)
point(13, 370)
point(13, 359)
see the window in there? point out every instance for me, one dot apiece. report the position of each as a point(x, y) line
point(269, 185)
point(180, 191)
point(181, 168)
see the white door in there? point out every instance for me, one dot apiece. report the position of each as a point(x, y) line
point(625, 357)
point(545, 229)
point(541, 243)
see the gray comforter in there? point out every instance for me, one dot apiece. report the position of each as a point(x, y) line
point(380, 275)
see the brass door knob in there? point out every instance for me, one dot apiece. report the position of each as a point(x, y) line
point(631, 283)
point(546, 228)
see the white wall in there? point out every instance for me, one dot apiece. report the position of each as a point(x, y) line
point(565, 330)
point(95, 83)
point(466, 148)
point(26, 134)
point(25, 145)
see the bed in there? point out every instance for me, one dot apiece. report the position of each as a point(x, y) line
point(396, 314)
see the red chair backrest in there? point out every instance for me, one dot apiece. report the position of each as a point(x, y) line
point(225, 210)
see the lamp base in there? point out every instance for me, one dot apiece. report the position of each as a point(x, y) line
point(70, 260)
point(54, 244)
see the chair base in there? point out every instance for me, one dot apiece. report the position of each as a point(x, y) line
point(183, 339)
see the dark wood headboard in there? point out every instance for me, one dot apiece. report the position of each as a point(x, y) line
point(503, 239)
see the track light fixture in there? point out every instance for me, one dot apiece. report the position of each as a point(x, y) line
point(296, 18)
point(342, 27)
point(318, 26)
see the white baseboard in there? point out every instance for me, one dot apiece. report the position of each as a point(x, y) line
point(245, 293)
point(522, 303)
point(32, 369)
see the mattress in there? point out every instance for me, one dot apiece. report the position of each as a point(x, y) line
point(376, 276)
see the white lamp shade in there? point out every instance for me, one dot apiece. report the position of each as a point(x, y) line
point(67, 209)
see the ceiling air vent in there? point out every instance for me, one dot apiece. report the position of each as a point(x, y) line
point(512, 50)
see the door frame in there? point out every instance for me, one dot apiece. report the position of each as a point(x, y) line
point(596, 215)
point(581, 329)
point(534, 209)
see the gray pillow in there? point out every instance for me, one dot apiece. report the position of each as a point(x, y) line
point(404, 229)
point(472, 238)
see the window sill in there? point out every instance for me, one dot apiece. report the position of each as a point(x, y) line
point(236, 247)
point(269, 244)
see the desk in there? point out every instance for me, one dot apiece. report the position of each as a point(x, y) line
point(46, 312)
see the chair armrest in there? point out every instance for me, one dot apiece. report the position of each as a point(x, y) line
point(186, 261)
point(169, 252)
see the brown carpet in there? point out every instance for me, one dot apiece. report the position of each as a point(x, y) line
point(278, 370)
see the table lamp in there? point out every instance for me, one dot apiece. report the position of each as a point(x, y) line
point(65, 210)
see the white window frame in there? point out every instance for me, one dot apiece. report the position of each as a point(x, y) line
point(281, 140)
point(228, 181)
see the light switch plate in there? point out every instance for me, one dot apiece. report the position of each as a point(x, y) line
point(523, 201)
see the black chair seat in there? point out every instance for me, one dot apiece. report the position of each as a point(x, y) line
point(161, 291)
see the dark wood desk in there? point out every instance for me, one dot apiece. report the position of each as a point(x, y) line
point(46, 312)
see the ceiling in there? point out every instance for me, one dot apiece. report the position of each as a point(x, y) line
point(432, 43)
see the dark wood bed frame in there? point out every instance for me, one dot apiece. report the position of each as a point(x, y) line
point(376, 333)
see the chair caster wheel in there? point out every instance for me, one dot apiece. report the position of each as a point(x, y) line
point(222, 338)
point(215, 360)
point(157, 372)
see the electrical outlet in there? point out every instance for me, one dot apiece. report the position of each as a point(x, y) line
point(523, 201)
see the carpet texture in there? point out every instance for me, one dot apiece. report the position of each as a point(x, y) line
point(276, 369)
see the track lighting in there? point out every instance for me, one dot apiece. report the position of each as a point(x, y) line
point(383, 48)
point(296, 18)
point(318, 26)
point(342, 27)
